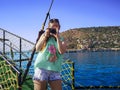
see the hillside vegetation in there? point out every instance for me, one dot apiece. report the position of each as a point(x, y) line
point(93, 37)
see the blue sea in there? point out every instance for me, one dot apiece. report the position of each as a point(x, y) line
point(101, 68)
point(92, 68)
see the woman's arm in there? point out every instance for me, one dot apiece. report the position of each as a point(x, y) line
point(42, 40)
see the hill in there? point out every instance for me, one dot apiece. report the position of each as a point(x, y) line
point(93, 37)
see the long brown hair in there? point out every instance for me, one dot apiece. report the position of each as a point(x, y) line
point(52, 21)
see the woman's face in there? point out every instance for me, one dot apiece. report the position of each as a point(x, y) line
point(54, 25)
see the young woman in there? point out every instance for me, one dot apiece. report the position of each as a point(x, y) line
point(50, 48)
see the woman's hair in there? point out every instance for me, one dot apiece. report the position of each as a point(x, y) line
point(54, 21)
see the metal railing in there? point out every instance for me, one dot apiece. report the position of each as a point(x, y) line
point(17, 49)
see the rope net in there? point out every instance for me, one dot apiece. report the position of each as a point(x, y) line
point(67, 75)
point(8, 78)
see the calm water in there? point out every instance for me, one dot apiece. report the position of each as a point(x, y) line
point(93, 68)
point(96, 68)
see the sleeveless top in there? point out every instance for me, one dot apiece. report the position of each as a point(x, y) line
point(43, 58)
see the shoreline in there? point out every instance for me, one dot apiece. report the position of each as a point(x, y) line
point(92, 49)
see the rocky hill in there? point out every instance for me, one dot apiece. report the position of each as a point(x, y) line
point(93, 37)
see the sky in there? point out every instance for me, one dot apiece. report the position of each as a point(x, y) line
point(25, 17)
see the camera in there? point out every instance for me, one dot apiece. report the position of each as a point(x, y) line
point(53, 31)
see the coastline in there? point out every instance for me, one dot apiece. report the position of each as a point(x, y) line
point(92, 49)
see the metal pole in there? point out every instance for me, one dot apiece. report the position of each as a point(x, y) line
point(3, 42)
point(19, 81)
point(73, 77)
point(48, 13)
point(20, 52)
point(19, 78)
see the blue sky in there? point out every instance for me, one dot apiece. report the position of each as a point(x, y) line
point(25, 17)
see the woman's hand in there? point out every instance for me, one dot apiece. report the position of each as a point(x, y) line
point(57, 33)
point(47, 33)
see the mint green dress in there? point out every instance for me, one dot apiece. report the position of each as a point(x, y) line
point(42, 60)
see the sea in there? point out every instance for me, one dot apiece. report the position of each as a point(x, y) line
point(92, 68)
point(96, 68)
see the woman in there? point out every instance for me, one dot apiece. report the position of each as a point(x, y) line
point(48, 62)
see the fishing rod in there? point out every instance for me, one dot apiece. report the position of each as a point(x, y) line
point(34, 49)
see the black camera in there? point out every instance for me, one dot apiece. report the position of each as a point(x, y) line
point(53, 31)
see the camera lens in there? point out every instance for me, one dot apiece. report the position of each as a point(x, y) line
point(53, 31)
